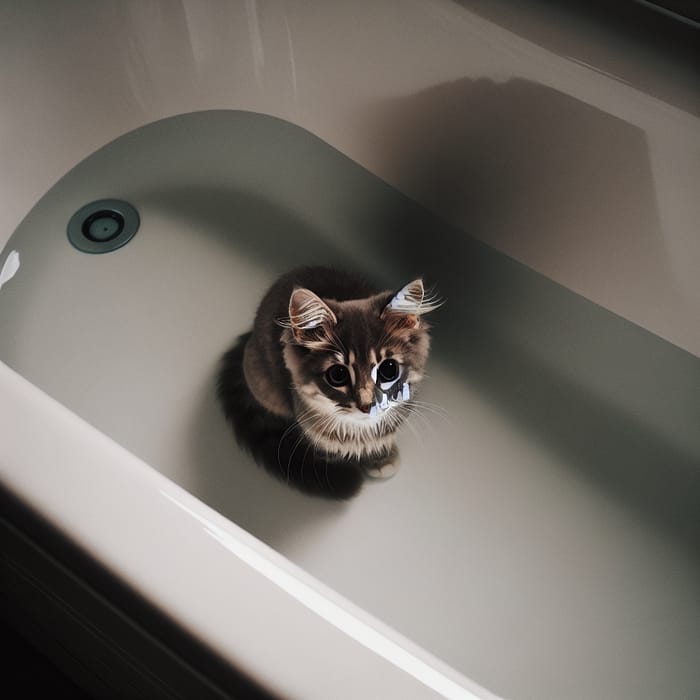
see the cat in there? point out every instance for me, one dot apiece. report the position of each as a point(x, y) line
point(316, 391)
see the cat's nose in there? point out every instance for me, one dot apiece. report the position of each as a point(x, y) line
point(363, 398)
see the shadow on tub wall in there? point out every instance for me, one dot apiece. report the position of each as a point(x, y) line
point(519, 160)
point(530, 170)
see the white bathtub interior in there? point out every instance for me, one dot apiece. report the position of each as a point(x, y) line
point(541, 535)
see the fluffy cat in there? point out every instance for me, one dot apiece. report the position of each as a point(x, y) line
point(318, 388)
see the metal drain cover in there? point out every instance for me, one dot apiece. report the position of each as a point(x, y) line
point(103, 226)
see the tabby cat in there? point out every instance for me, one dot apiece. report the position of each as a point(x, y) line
point(318, 388)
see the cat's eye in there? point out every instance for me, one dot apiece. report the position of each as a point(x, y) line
point(338, 375)
point(388, 371)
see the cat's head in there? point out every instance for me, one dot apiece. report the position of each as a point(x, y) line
point(358, 360)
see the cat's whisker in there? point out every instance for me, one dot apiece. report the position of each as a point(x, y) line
point(415, 412)
point(437, 406)
point(435, 410)
point(298, 442)
point(303, 460)
point(303, 417)
point(313, 439)
point(433, 407)
point(412, 428)
point(281, 441)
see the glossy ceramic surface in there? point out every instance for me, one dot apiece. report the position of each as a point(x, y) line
point(566, 138)
point(531, 477)
point(542, 538)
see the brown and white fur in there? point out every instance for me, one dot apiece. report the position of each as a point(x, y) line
point(319, 387)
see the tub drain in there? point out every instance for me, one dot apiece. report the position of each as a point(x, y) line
point(103, 226)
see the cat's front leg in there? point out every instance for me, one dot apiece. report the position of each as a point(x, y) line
point(383, 467)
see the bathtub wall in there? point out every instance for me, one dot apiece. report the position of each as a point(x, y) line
point(568, 139)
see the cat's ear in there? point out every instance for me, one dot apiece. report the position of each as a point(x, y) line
point(408, 299)
point(309, 316)
point(403, 309)
point(409, 304)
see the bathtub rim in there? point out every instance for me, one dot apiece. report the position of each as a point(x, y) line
point(168, 514)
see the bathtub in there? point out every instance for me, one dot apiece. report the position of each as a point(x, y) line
point(541, 537)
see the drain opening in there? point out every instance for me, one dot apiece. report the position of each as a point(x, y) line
point(103, 226)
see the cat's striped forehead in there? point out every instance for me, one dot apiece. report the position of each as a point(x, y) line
point(362, 337)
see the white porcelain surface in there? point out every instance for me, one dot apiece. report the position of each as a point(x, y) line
point(254, 607)
point(527, 505)
point(392, 85)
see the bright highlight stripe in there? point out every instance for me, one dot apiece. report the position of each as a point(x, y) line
point(333, 613)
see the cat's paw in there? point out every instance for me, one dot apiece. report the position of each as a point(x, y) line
point(385, 469)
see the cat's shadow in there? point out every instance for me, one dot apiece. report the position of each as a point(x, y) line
point(232, 483)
